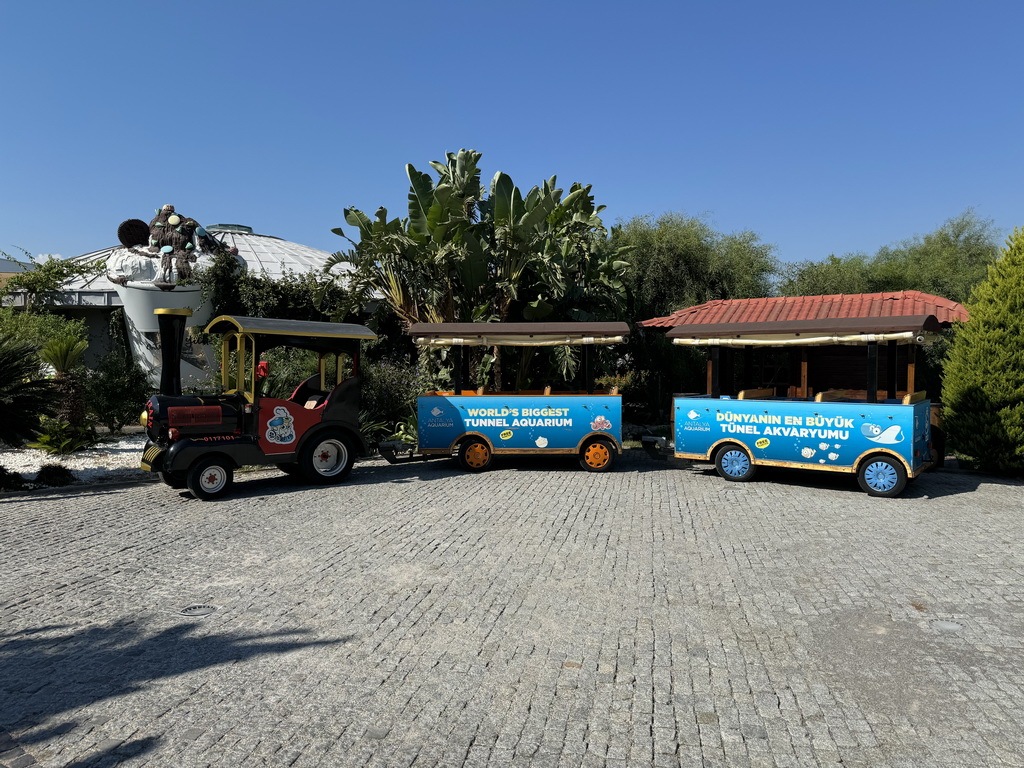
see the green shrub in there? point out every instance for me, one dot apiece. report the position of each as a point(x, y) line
point(64, 355)
point(407, 431)
point(372, 431)
point(390, 389)
point(11, 481)
point(37, 328)
point(289, 367)
point(24, 397)
point(116, 391)
point(59, 438)
point(54, 475)
point(983, 383)
point(633, 386)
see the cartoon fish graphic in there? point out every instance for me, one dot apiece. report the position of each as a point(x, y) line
point(888, 436)
point(541, 442)
point(693, 414)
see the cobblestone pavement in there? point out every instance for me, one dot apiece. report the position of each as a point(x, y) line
point(534, 615)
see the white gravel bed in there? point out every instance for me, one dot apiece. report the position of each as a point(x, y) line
point(114, 459)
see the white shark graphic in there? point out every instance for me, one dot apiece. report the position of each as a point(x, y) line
point(888, 436)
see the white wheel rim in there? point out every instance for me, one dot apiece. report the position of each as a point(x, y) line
point(214, 479)
point(330, 458)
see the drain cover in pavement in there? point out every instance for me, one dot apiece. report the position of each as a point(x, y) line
point(198, 610)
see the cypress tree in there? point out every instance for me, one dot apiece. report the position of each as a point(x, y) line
point(983, 382)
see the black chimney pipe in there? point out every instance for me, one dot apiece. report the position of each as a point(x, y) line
point(172, 335)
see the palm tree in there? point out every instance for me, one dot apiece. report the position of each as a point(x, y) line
point(65, 356)
point(23, 396)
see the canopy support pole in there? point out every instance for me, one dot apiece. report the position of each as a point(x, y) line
point(890, 373)
point(457, 370)
point(715, 372)
point(588, 369)
point(872, 395)
point(804, 378)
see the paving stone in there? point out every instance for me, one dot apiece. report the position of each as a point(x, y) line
point(530, 615)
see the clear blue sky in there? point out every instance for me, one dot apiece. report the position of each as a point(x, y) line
point(824, 127)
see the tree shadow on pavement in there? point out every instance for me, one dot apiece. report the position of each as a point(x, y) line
point(109, 756)
point(47, 671)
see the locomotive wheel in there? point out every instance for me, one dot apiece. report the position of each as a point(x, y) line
point(475, 455)
point(327, 458)
point(597, 456)
point(733, 463)
point(882, 476)
point(209, 478)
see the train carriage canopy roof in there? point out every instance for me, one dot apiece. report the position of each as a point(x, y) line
point(517, 334)
point(303, 334)
point(906, 317)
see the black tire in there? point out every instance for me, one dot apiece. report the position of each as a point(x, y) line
point(733, 463)
point(327, 458)
point(210, 478)
point(597, 455)
point(475, 455)
point(173, 479)
point(882, 475)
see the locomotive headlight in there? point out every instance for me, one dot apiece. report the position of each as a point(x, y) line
point(144, 419)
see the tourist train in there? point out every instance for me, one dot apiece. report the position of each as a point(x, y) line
point(883, 437)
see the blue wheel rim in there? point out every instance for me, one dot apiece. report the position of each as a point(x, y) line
point(880, 476)
point(735, 463)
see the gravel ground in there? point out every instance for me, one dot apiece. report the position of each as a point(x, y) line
point(113, 460)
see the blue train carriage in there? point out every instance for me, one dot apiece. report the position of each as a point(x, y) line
point(476, 425)
point(862, 420)
point(885, 444)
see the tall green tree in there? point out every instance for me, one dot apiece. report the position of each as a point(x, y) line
point(44, 282)
point(65, 357)
point(680, 261)
point(466, 253)
point(948, 262)
point(983, 386)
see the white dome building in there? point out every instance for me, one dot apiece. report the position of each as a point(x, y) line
point(93, 298)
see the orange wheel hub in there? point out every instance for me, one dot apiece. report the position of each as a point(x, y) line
point(597, 455)
point(477, 455)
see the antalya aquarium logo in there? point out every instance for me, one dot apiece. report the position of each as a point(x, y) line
point(695, 423)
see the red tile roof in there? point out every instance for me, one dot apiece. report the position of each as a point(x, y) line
point(770, 310)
